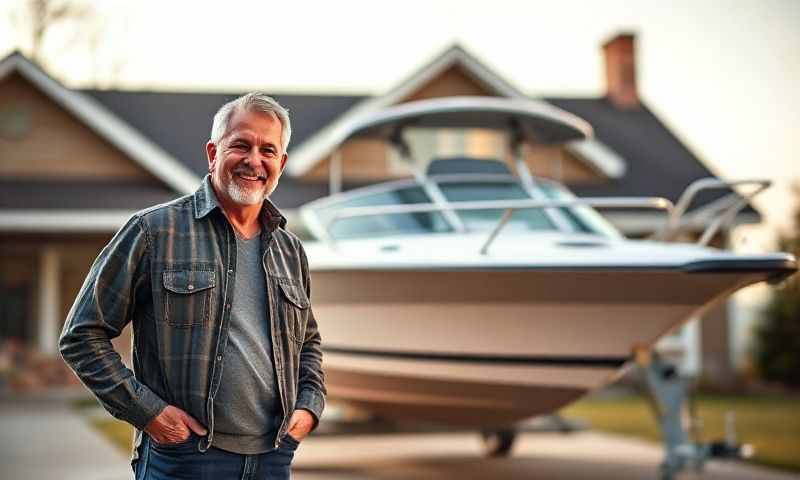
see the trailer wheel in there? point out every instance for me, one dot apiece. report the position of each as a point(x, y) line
point(498, 443)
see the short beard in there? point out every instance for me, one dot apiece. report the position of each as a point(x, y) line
point(244, 196)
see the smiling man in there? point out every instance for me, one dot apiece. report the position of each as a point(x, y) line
point(227, 377)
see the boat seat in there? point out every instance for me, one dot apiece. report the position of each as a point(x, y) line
point(467, 165)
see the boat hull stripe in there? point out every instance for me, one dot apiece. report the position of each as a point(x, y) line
point(539, 360)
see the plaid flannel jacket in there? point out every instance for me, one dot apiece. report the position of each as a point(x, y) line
point(170, 270)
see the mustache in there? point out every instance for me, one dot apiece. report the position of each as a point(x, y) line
point(243, 170)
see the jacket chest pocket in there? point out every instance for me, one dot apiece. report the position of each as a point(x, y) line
point(187, 297)
point(295, 306)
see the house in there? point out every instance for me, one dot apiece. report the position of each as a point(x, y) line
point(74, 164)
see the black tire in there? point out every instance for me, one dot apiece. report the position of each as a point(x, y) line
point(498, 443)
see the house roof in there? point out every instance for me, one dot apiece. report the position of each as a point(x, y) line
point(166, 132)
point(181, 122)
point(658, 164)
point(105, 123)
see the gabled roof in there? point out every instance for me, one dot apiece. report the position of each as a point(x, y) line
point(324, 142)
point(106, 124)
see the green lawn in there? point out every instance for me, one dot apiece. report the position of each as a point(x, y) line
point(770, 423)
point(120, 433)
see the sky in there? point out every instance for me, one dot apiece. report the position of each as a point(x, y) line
point(721, 74)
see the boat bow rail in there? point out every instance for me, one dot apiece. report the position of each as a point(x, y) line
point(723, 211)
point(509, 207)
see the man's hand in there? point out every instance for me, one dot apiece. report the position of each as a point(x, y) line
point(300, 424)
point(172, 425)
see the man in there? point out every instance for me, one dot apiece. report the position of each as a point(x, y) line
point(227, 377)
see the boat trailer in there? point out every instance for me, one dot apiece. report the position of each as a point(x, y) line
point(670, 399)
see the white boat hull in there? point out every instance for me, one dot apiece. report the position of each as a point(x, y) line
point(489, 347)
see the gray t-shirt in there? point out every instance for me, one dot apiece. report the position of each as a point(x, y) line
point(247, 408)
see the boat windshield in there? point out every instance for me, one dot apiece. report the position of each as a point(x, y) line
point(384, 225)
point(486, 220)
point(580, 219)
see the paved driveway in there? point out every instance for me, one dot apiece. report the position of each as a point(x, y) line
point(550, 456)
point(45, 439)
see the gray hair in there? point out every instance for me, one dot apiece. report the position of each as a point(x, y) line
point(252, 102)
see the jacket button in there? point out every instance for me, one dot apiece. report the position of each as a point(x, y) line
point(219, 357)
point(190, 287)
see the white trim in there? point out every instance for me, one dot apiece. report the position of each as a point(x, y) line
point(323, 142)
point(63, 221)
point(147, 154)
point(455, 55)
point(598, 155)
point(49, 298)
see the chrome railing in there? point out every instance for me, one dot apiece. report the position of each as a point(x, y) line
point(722, 211)
point(509, 207)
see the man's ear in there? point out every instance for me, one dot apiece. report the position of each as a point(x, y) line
point(283, 161)
point(211, 153)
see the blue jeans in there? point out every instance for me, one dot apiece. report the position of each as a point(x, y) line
point(184, 461)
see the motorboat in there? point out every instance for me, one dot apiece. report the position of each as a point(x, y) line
point(475, 294)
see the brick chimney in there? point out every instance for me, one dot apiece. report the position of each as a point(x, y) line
point(620, 56)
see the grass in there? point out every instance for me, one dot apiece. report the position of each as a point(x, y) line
point(119, 432)
point(770, 423)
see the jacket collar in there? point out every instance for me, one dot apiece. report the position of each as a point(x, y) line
point(205, 200)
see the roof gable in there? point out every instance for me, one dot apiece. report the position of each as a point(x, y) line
point(456, 68)
point(454, 58)
point(41, 140)
point(104, 123)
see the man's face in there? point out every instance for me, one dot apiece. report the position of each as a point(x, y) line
point(248, 161)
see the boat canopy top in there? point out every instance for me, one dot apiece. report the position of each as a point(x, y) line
point(536, 122)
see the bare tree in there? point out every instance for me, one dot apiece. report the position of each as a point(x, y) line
point(48, 30)
point(34, 19)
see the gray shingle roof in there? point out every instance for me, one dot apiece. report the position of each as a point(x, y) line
point(181, 122)
point(80, 194)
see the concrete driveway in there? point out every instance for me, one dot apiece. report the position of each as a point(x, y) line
point(46, 439)
point(550, 456)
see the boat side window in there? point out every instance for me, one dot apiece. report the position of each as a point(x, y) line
point(483, 220)
point(387, 224)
